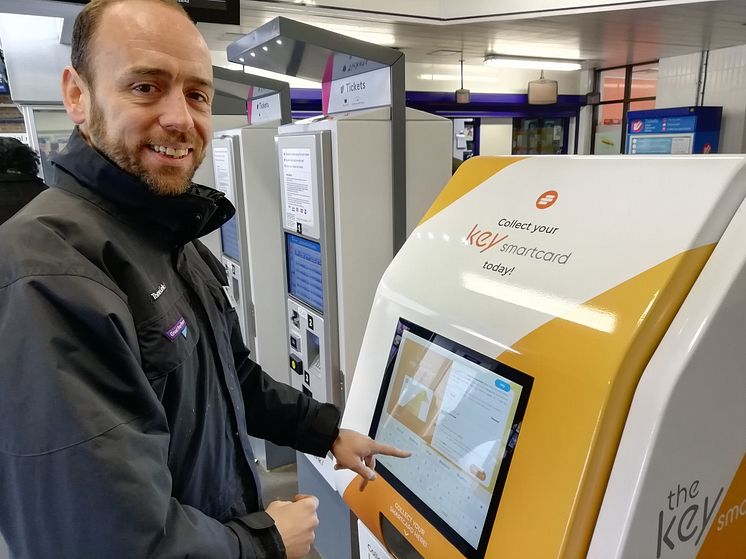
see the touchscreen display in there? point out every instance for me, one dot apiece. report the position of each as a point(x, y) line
point(304, 271)
point(459, 412)
point(229, 239)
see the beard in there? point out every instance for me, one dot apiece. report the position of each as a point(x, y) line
point(163, 181)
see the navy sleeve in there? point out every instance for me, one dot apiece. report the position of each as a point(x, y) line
point(276, 411)
point(84, 439)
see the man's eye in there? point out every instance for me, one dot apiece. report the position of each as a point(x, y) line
point(201, 97)
point(144, 88)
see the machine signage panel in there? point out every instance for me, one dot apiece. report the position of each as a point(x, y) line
point(305, 278)
point(222, 162)
point(263, 109)
point(460, 413)
point(297, 184)
point(663, 125)
point(662, 144)
point(357, 92)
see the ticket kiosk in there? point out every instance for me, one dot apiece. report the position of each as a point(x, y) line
point(563, 356)
point(251, 251)
point(353, 182)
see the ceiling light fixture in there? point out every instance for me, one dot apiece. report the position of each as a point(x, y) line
point(531, 63)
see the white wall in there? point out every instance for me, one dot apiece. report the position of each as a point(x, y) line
point(496, 136)
point(484, 79)
point(34, 57)
point(725, 86)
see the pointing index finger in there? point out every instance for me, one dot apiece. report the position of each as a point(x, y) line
point(387, 449)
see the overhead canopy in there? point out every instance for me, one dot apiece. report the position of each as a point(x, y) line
point(293, 48)
point(234, 88)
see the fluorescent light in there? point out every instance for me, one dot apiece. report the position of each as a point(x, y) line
point(252, 53)
point(240, 60)
point(265, 49)
point(500, 61)
point(456, 77)
point(278, 41)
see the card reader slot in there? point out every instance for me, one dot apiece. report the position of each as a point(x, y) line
point(313, 351)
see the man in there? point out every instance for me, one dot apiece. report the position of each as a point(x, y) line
point(126, 394)
point(19, 166)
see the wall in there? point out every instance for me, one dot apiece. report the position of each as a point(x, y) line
point(725, 86)
point(484, 79)
point(34, 66)
point(496, 136)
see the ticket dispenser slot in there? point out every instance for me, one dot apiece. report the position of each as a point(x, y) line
point(310, 272)
point(395, 542)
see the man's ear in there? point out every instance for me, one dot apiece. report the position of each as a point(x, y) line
point(75, 95)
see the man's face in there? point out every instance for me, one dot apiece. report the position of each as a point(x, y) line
point(151, 94)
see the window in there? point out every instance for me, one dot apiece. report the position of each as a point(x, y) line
point(621, 89)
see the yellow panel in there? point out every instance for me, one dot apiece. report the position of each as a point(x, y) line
point(727, 536)
point(583, 387)
point(379, 497)
point(469, 175)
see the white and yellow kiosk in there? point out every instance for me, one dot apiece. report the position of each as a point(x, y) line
point(561, 344)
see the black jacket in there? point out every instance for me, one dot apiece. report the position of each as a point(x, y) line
point(17, 190)
point(126, 393)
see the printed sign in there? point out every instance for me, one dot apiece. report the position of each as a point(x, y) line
point(298, 185)
point(360, 91)
point(221, 160)
point(264, 109)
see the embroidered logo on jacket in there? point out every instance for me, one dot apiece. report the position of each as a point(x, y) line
point(179, 328)
point(158, 292)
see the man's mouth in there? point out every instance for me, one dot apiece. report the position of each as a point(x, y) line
point(173, 153)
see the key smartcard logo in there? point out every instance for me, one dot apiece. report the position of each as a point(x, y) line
point(547, 199)
point(637, 126)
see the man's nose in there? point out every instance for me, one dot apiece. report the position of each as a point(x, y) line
point(175, 113)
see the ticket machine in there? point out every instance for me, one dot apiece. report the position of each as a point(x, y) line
point(353, 182)
point(560, 345)
point(245, 170)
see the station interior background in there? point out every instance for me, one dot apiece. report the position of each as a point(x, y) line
point(632, 55)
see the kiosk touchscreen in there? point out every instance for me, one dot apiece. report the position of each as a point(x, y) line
point(459, 412)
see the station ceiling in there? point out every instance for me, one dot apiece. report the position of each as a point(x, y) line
point(600, 39)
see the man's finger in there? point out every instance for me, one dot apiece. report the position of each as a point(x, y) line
point(301, 496)
point(363, 471)
point(387, 449)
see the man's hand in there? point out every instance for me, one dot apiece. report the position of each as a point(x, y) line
point(296, 523)
point(356, 452)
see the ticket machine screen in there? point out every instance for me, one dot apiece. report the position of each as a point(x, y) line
point(305, 279)
point(460, 413)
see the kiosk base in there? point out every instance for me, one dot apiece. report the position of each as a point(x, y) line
point(336, 535)
point(271, 456)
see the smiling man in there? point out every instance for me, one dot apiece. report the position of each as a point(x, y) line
point(126, 393)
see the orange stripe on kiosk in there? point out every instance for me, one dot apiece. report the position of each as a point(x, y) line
point(557, 343)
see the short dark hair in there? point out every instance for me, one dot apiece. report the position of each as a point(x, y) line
point(17, 157)
point(85, 28)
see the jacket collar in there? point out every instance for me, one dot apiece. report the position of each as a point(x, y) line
point(193, 214)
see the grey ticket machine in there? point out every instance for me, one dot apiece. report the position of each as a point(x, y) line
point(245, 171)
point(307, 211)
